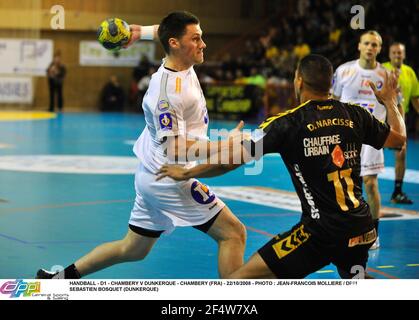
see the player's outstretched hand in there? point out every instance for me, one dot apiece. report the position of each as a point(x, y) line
point(174, 171)
point(388, 93)
point(237, 131)
point(135, 34)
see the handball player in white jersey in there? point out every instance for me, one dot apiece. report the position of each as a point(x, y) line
point(176, 117)
point(350, 84)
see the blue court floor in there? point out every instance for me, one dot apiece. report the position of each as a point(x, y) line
point(67, 185)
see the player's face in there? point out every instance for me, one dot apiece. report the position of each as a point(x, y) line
point(369, 47)
point(191, 45)
point(397, 55)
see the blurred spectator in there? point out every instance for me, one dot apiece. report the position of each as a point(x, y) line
point(113, 96)
point(240, 78)
point(256, 78)
point(302, 49)
point(143, 85)
point(56, 73)
point(307, 26)
point(141, 70)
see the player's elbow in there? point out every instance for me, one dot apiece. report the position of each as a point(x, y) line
point(395, 139)
point(400, 140)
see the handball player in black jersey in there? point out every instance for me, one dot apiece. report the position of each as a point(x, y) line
point(320, 143)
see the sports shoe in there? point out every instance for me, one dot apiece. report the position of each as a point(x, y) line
point(400, 198)
point(376, 244)
point(44, 274)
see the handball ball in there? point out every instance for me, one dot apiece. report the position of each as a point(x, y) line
point(113, 33)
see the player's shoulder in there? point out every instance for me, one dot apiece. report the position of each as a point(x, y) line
point(284, 116)
point(347, 65)
point(354, 108)
point(168, 84)
point(408, 69)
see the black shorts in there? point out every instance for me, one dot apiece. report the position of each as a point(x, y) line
point(297, 253)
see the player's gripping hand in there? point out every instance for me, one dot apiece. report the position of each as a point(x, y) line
point(176, 172)
point(135, 34)
point(237, 131)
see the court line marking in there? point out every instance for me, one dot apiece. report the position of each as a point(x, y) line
point(385, 274)
point(54, 206)
point(64, 205)
point(269, 235)
point(260, 215)
point(288, 200)
point(411, 175)
point(30, 115)
point(20, 241)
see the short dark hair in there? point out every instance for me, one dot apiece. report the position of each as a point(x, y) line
point(397, 44)
point(174, 26)
point(317, 72)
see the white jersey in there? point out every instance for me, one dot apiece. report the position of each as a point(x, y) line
point(350, 83)
point(173, 105)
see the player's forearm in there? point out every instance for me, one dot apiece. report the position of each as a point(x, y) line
point(395, 119)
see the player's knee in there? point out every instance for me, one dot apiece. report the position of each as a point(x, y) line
point(371, 185)
point(239, 232)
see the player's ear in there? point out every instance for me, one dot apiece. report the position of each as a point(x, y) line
point(299, 82)
point(174, 43)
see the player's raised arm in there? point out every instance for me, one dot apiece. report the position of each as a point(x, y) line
point(388, 97)
point(139, 32)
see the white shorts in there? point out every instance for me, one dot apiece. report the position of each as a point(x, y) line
point(165, 204)
point(372, 161)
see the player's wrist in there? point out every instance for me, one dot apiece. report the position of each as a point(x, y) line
point(186, 174)
point(147, 32)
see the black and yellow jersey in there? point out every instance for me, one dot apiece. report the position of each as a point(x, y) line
point(320, 143)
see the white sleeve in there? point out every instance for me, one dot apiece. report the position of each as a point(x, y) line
point(337, 83)
point(168, 119)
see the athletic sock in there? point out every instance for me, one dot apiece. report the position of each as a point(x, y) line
point(398, 186)
point(70, 272)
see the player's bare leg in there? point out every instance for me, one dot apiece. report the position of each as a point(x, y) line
point(374, 202)
point(230, 235)
point(133, 247)
point(398, 195)
point(373, 195)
